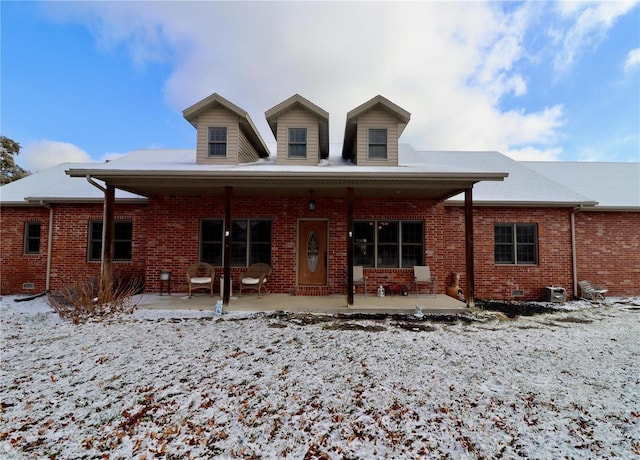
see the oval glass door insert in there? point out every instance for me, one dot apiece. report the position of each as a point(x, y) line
point(312, 251)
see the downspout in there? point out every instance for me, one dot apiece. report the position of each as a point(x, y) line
point(47, 284)
point(574, 263)
point(104, 191)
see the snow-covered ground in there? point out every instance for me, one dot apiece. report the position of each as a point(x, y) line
point(190, 385)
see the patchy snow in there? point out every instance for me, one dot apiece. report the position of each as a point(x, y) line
point(179, 384)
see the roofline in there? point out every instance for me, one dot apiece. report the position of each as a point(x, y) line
point(523, 204)
point(191, 114)
point(398, 111)
point(322, 173)
point(37, 201)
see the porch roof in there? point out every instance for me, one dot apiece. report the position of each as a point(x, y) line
point(174, 172)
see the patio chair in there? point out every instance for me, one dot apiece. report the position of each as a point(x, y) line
point(422, 275)
point(590, 292)
point(255, 277)
point(200, 276)
point(359, 278)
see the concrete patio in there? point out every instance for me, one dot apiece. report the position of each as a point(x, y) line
point(334, 304)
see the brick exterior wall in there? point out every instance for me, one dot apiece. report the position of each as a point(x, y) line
point(69, 262)
point(166, 237)
point(608, 250)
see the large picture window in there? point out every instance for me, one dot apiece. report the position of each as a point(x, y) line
point(32, 238)
point(218, 142)
point(297, 142)
point(388, 244)
point(516, 244)
point(122, 237)
point(377, 144)
point(250, 242)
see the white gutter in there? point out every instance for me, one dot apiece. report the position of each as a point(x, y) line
point(47, 284)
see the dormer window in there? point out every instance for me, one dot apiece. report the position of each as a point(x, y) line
point(377, 144)
point(218, 142)
point(297, 142)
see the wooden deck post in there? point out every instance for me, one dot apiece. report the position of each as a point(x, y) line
point(226, 290)
point(468, 230)
point(350, 296)
point(108, 230)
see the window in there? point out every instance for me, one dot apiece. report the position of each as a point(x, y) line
point(516, 244)
point(250, 242)
point(297, 142)
point(32, 238)
point(388, 244)
point(122, 236)
point(377, 144)
point(211, 241)
point(217, 142)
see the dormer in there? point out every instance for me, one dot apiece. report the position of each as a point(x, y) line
point(301, 129)
point(226, 134)
point(372, 131)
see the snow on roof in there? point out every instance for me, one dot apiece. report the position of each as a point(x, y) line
point(531, 183)
point(612, 185)
point(53, 185)
point(522, 186)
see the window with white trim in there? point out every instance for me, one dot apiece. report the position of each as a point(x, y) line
point(516, 243)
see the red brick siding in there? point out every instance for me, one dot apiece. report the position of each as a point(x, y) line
point(70, 243)
point(16, 267)
point(166, 237)
point(608, 250)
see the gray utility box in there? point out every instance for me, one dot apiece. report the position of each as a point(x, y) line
point(555, 294)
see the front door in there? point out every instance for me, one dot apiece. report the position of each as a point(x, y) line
point(312, 253)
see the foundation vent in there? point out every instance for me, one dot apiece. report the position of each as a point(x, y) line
point(28, 286)
point(517, 292)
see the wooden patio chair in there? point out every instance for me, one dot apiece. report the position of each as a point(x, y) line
point(200, 276)
point(255, 277)
point(590, 292)
point(422, 275)
point(359, 278)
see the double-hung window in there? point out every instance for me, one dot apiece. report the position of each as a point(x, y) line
point(297, 142)
point(218, 142)
point(250, 242)
point(32, 238)
point(388, 244)
point(516, 244)
point(122, 237)
point(377, 144)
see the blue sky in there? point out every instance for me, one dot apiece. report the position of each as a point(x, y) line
point(87, 81)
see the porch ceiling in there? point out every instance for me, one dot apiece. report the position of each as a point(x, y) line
point(437, 186)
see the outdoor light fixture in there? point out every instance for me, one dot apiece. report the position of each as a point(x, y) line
point(312, 204)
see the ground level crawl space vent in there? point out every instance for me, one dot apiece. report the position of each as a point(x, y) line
point(517, 292)
point(28, 286)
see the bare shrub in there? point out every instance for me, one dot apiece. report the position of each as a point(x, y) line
point(90, 299)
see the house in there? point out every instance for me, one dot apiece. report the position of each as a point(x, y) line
point(312, 212)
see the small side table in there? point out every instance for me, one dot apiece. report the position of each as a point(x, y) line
point(165, 276)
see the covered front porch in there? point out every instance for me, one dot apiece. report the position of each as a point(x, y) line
point(332, 304)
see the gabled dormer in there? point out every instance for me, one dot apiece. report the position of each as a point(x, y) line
point(226, 134)
point(301, 129)
point(372, 131)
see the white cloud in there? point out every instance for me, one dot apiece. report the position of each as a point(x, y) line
point(586, 26)
point(448, 63)
point(633, 60)
point(38, 155)
point(42, 154)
